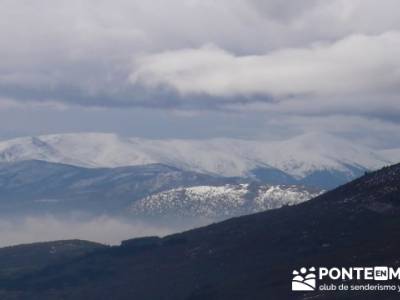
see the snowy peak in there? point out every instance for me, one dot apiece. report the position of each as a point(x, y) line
point(83, 149)
point(311, 152)
point(298, 157)
point(26, 148)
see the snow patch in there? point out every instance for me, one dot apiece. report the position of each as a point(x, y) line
point(220, 201)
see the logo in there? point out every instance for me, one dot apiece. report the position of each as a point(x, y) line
point(373, 278)
point(305, 280)
point(381, 273)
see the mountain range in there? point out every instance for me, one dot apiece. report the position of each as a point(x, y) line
point(249, 257)
point(150, 191)
point(318, 160)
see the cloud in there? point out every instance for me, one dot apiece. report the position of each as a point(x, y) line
point(81, 52)
point(282, 12)
point(309, 59)
point(368, 131)
point(356, 65)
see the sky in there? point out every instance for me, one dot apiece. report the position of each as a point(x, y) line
point(249, 69)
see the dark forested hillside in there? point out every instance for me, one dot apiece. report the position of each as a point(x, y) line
point(19, 260)
point(250, 257)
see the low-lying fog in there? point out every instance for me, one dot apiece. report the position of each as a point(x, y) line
point(104, 229)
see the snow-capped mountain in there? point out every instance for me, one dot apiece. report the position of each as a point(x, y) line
point(295, 159)
point(218, 202)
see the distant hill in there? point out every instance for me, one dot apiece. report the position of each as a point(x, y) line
point(39, 186)
point(249, 257)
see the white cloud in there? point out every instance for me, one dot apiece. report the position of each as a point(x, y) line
point(355, 65)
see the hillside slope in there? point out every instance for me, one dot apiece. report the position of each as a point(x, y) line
point(249, 257)
point(18, 260)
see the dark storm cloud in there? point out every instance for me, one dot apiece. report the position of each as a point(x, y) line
point(282, 11)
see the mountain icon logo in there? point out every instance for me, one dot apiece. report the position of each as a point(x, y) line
point(305, 280)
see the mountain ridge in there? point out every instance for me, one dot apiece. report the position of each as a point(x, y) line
point(308, 159)
point(38, 186)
